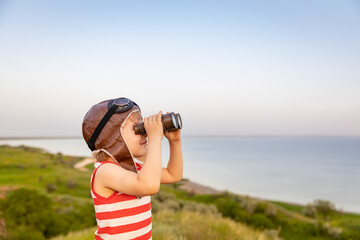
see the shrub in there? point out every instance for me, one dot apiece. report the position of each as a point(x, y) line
point(25, 207)
point(334, 232)
point(51, 187)
point(163, 201)
point(199, 208)
point(158, 200)
point(163, 196)
point(260, 208)
point(71, 183)
point(242, 216)
point(171, 205)
point(227, 207)
point(259, 220)
point(325, 208)
point(310, 210)
point(249, 205)
point(346, 235)
point(58, 181)
point(300, 230)
point(24, 232)
point(270, 211)
point(60, 158)
point(30, 215)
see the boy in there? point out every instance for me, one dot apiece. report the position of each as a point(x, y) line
point(120, 186)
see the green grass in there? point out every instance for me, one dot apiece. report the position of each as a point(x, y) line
point(289, 206)
point(33, 168)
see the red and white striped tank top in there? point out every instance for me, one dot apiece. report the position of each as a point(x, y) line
point(121, 216)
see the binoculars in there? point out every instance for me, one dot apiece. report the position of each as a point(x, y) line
point(171, 122)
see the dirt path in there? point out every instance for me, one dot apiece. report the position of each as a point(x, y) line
point(82, 164)
point(5, 189)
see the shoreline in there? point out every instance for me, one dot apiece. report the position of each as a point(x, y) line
point(198, 188)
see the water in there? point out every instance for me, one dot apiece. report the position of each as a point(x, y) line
point(299, 169)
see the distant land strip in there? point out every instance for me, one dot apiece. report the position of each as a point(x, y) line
point(196, 136)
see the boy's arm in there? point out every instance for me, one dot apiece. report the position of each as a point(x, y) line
point(147, 182)
point(174, 171)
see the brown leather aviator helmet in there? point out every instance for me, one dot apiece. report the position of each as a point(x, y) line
point(102, 129)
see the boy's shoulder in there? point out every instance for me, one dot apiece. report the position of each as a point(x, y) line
point(106, 168)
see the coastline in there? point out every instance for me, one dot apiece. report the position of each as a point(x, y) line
point(254, 174)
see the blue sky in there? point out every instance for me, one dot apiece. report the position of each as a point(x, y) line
point(229, 67)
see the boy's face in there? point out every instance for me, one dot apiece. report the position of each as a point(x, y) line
point(137, 144)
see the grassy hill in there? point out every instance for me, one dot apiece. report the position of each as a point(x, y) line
point(33, 168)
point(30, 175)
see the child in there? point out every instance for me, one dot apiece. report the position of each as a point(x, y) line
point(120, 186)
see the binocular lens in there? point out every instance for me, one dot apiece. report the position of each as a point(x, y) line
point(170, 121)
point(179, 121)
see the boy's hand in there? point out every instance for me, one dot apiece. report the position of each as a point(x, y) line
point(154, 127)
point(173, 136)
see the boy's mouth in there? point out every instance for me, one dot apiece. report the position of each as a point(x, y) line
point(144, 142)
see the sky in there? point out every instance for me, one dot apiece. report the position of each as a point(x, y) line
point(228, 67)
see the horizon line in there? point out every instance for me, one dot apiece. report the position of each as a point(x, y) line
point(194, 136)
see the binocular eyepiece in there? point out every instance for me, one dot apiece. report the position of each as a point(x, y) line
point(171, 122)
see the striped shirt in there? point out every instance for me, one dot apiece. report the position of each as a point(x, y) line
point(121, 216)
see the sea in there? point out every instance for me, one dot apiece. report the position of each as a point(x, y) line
point(290, 169)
